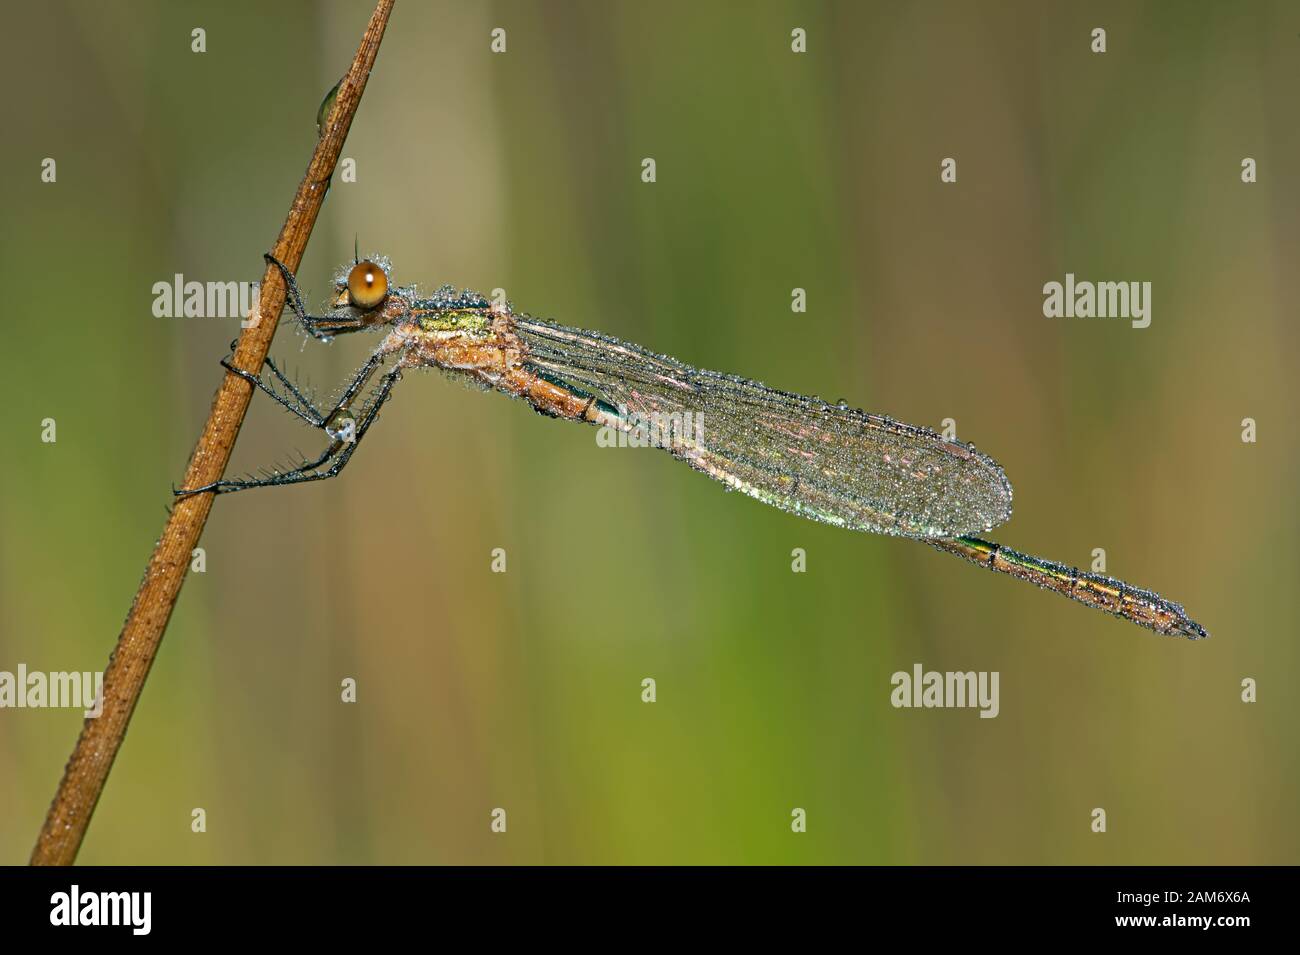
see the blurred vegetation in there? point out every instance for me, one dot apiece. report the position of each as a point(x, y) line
point(775, 170)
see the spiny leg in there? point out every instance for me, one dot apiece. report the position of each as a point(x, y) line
point(294, 298)
point(372, 412)
point(359, 382)
point(339, 444)
point(295, 391)
point(305, 472)
point(309, 471)
point(320, 327)
point(304, 409)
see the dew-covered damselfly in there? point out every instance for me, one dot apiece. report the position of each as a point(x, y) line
point(819, 460)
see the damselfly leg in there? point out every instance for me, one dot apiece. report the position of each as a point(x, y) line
point(300, 406)
point(346, 432)
point(340, 424)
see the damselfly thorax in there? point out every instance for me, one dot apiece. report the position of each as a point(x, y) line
point(482, 344)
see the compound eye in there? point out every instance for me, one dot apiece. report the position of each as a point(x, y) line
point(367, 285)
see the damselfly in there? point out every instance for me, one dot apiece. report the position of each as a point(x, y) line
point(823, 461)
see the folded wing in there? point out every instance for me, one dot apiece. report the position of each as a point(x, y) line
point(827, 462)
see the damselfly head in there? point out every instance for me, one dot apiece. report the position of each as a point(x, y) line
point(364, 298)
point(365, 287)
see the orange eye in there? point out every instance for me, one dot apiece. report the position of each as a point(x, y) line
point(367, 285)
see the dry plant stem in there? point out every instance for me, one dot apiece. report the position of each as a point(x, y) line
point(92, 758)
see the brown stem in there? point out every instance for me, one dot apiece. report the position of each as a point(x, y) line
point(92, 758)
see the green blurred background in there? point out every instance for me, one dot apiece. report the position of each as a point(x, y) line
point(775, 170)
